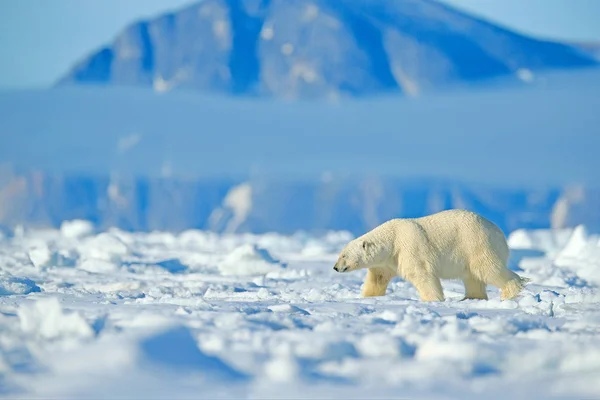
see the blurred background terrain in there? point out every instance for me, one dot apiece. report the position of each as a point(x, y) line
point(272, 115)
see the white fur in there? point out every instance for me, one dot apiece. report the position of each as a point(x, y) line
point(452, 244)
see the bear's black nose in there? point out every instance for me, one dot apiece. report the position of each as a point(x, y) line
point(335, 268)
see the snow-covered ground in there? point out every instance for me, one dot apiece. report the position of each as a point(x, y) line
point(87, 314)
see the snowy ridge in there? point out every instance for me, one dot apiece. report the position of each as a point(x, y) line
point(317, 49)
point(110, 332)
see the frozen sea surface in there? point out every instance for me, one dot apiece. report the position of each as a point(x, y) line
point(87, 314)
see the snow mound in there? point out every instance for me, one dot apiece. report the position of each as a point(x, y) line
point(98, 266)
point(40, 256)
point(379, 345)
point(105, 246)
point(575, 247)
point(541, 239)
point(46, 319)
point(11, 285)
point(288, 308)
point(282, 369)
point(102, 253)
point(581, 254)
point(574, 251)
point(249, 259)
point(76, 229)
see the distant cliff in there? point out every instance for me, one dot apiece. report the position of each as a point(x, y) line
point(317, 48)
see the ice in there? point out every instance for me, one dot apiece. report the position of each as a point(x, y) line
point(116, 314)
point(10, 285)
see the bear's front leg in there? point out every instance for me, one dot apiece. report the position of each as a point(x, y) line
point(428, 286)
point(376, 282)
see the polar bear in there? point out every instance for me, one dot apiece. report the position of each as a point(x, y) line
point(451, 244)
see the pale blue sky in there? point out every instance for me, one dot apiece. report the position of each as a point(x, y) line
point(41, 39)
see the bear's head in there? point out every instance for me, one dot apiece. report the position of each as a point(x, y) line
point(360, 253)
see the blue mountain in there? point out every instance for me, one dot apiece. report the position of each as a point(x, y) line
point(318, 48)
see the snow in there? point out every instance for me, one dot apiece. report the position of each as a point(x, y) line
point(46, 319)
point(204, 315)
point(249, 259)
point(76, 228)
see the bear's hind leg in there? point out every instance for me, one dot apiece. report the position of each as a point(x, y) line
point(512, 285)
point(474, 289)
point(376, 282)
point(429, 288)
point(509, 283)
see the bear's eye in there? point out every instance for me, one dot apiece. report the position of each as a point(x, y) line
point(364, 245)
